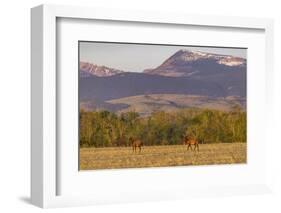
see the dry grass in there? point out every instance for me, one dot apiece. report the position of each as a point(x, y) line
point(146, 104)
point(160, 156)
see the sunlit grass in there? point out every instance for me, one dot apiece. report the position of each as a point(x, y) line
point(161, 156)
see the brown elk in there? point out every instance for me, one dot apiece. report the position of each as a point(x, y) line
point(189, 142)
point(136, 144)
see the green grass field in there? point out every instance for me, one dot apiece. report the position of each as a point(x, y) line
point(161, 156)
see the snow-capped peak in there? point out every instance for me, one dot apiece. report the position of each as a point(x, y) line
point(193, 55)
point(89, 69)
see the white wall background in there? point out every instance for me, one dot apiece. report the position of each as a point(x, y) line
point(15, 104)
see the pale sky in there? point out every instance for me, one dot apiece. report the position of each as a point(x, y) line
point(137, 57)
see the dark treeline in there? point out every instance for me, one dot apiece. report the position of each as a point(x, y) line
point(107, 129)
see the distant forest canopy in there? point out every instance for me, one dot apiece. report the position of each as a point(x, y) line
point(107, 129)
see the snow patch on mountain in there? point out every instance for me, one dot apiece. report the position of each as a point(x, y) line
point(231, 61)
point(189, 55)
point(90, 69)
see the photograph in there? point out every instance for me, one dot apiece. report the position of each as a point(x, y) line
point(161, 105)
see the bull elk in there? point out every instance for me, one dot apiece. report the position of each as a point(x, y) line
point(136, 144)
point(191, 142)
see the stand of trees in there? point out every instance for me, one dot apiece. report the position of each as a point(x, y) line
point(107, 129)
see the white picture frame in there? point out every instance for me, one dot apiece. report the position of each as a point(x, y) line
point(44, 150)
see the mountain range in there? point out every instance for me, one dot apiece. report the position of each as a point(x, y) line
point(182, 63)
point(189, 73)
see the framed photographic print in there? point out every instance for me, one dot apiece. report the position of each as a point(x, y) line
point(188, 109)
point(178, 104)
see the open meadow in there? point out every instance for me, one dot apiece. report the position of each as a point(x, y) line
point(161, 156)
